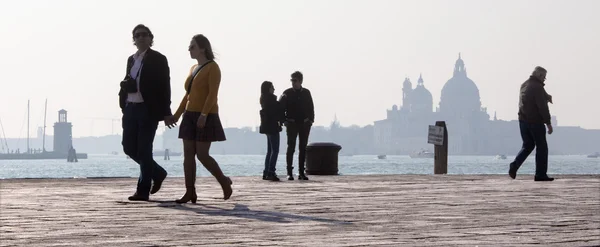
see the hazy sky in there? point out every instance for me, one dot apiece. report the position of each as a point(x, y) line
point(354, 54)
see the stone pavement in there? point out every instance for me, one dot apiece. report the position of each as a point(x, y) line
point(378, 210)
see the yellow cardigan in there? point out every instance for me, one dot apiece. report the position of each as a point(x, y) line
point(203, 94)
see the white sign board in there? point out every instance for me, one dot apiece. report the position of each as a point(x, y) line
point(436, 135)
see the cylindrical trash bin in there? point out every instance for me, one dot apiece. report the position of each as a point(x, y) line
point(322, 158)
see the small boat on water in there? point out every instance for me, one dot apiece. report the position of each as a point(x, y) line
point(382, 156)
point(501, 157)
point(422, 154)
point(594, 155)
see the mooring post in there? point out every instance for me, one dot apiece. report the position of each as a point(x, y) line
point(441, 152)
point(167, 154)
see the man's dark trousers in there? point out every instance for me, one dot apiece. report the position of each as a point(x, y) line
point(302, 131)
point(534, 136)
point(139, 130)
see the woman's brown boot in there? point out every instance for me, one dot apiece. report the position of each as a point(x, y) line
point(226, 186)
point(189, 172)
point(190, 195)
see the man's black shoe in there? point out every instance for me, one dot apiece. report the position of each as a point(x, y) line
point(136, 197)
point(272, 178)
point(543, 179)
point(157, 184)
point(302, 177)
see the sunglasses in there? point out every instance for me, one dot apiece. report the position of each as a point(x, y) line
point(141, 34)
point(294, 80)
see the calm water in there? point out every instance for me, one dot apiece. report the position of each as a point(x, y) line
point(252, 165)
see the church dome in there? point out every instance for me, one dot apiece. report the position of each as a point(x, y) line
point(421, 99)
point(460, 94)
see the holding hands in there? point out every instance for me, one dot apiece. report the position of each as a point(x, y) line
point(170, 121)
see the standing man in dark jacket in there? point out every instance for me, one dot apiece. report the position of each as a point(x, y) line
point(299, 116)
point(145, 100)
point(533, 115)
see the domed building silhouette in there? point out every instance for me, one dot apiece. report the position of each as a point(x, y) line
point(460, 95)
point(405, 123)
point(405, 128)
point(422, 100)
point(470, 129)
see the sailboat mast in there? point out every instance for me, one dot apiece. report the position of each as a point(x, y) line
point(44, 135)
point(5, 143)
point(27, 126)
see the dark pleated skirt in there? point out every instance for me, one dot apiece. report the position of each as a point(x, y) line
point(212, 131)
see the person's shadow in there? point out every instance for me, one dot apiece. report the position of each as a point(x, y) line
point(242, 211)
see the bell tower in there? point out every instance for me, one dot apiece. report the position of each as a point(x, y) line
point(63, 133)
point(406, 90)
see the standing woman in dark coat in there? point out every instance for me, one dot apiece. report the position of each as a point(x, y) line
point(270, 125)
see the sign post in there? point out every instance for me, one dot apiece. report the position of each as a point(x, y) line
point(438, 136)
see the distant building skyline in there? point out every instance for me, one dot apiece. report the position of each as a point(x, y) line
point(354, 67)
point(470, 129)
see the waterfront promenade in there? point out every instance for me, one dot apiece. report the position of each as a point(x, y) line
point(378, 210)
